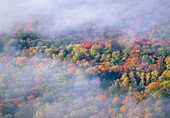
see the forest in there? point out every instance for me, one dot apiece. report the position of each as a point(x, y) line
point(87, 72)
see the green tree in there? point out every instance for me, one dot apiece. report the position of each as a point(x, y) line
point(94, 50)
point(97, 57)
point(116, 57)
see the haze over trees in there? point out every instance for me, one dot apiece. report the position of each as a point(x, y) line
point(88, 71)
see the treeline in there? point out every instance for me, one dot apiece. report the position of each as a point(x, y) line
point(133, 70)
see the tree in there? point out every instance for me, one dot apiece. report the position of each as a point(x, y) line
point(167, 61)
point(61, 55)
point(147, 76)
point(148, 115)
point(116, 57)
point(125, 79)
point(165, 91)
point(48, 52)
point(19, 101)
point(154, 75)
point(97, 57)
point(142, 81)
point(77, 48)
point(133, 80)
point(124, 56)
point(152, 88)
point(164, 76)
point(137, 47)
point(94, 50)
point(103, 57)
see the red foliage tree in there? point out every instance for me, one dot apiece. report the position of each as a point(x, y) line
point(137, 47)
point(24, 48)
point(19, 101)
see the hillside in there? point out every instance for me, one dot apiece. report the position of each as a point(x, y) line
point(111, 67)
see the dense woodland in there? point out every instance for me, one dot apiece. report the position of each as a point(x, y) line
point(93, 73)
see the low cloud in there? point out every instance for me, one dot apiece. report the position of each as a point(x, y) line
point(62, 14)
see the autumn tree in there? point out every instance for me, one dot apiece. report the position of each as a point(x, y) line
point(154, 75)
point(125, 81)
point(142, 81)
point(116, 57)
point(94, 51)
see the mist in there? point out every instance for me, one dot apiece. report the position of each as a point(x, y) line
point(48, 88)
point(60, 91)
point(41, 86)
point(60, 15)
